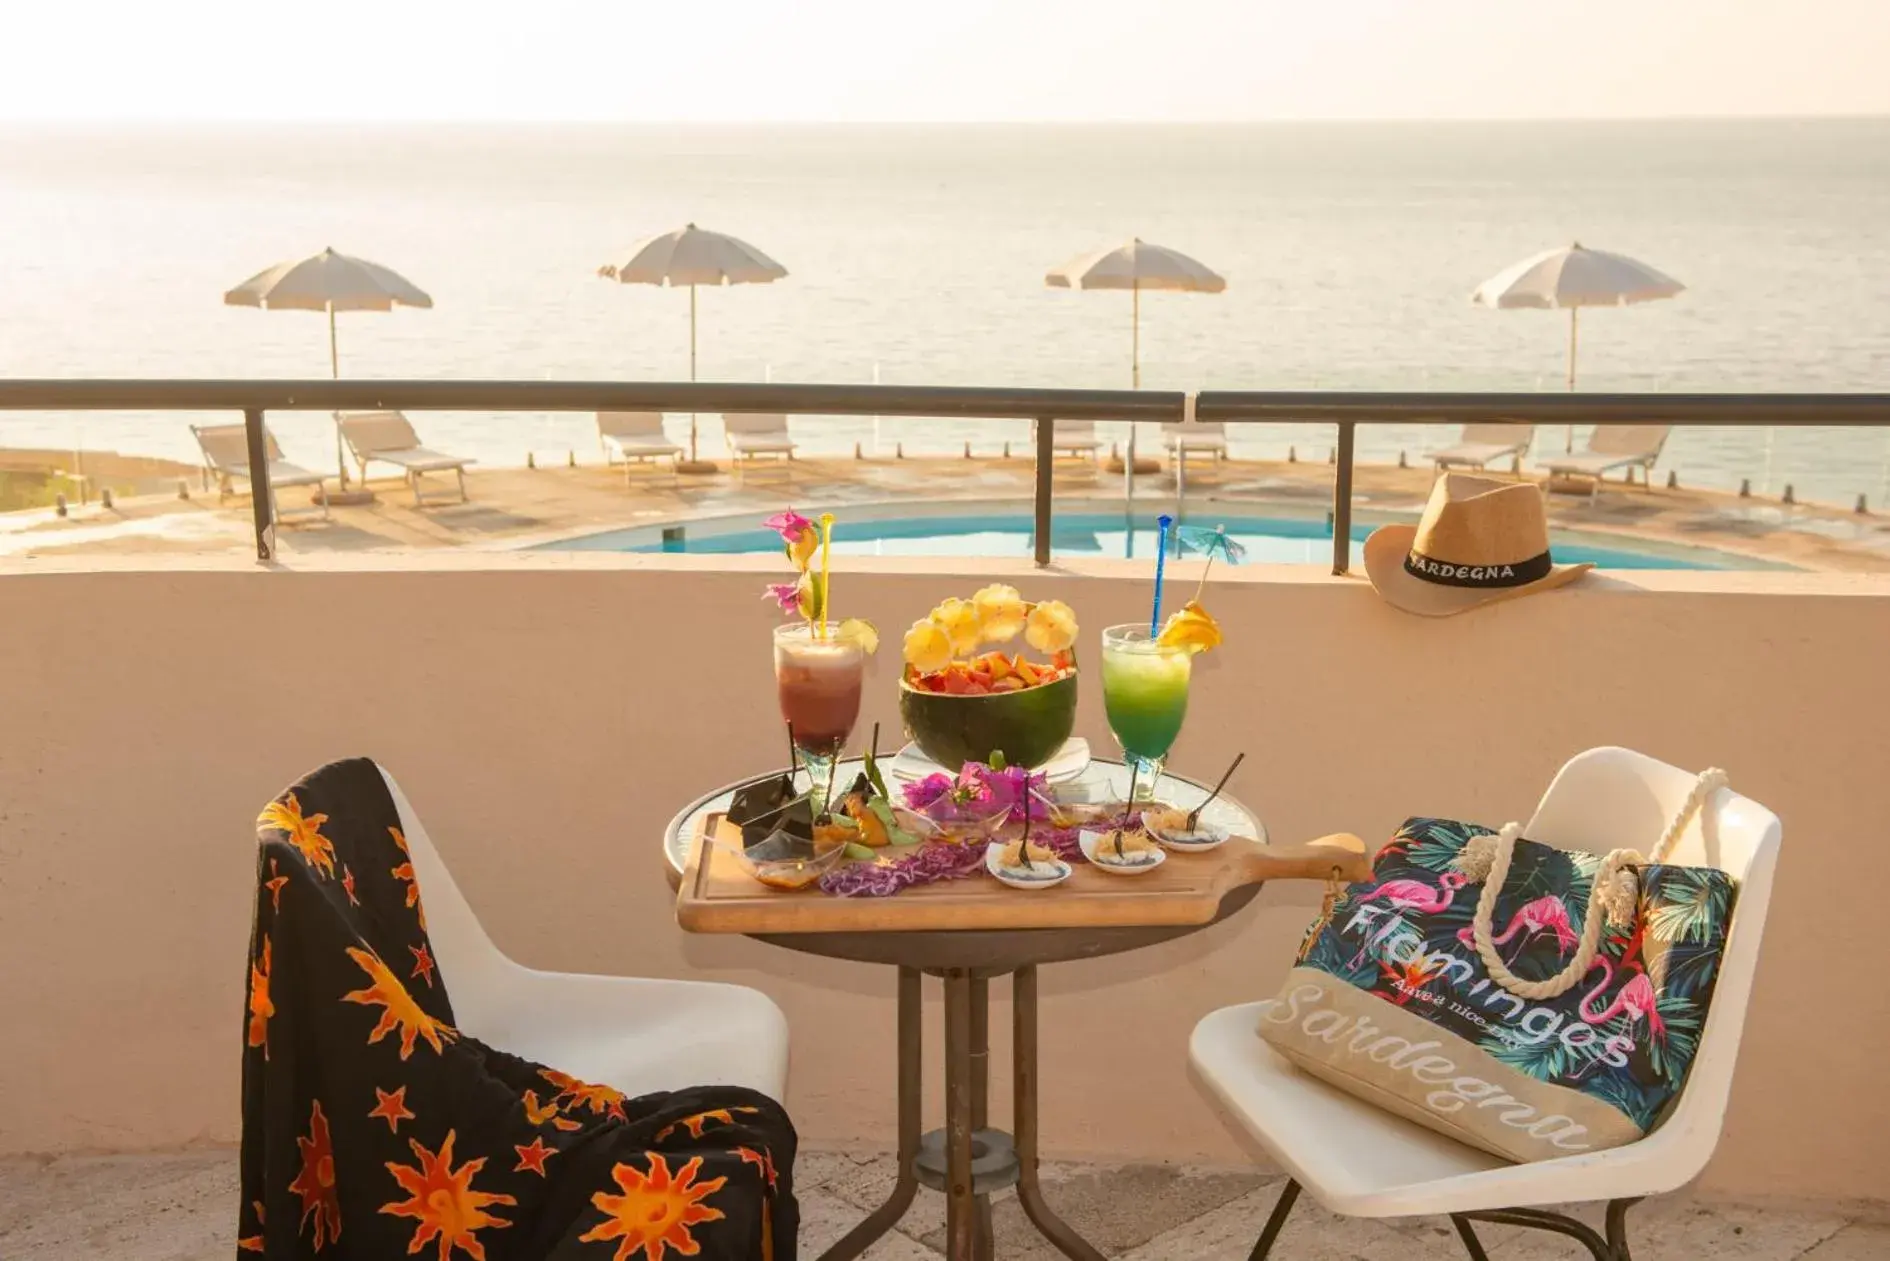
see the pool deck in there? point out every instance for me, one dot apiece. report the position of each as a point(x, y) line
point(517, 507)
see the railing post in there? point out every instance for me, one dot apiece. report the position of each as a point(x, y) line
point(1046, 462)
point(261, 497)
point(1342, 501)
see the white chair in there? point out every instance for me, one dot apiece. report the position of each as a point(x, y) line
point(1611, 447)
point(389, 438)
point(1478, 445)
point(637, 1035)
point(1187, 437)
point(751, 437)
point(1363, 1162)
point(226, 454)
point(633, 438)
point(1073, 439)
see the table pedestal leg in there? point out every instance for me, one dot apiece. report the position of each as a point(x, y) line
point(1024, 1064)
point(983, 1244)
point(961, 1205)
point(887, 1215)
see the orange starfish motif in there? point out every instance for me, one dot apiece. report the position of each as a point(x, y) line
point(655, 1212)
point(764, 1159)
point(347, 884)
point(253, 1243)
point(398, 1010)
point(700, 1121)
point(391, 1107)
point(260, 1005)
point(423, 964)
point(533, 1157)
point(572, 1093)
point(316, 1181)
point(441, 1198)
point(274, 885)
point(405, 872)
point(305, 833)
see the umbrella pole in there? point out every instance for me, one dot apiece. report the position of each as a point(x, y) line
point(1135, 380)
point(334, 372)
point(692, 369)
point(1573, 313)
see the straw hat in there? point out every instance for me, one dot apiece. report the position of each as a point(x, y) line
point(1478, 541)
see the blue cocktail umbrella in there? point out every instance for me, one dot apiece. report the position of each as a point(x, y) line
point(1200, 541)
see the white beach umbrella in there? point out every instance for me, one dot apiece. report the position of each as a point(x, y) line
point(1136, 265)
point(694, 256)
point(329, 282)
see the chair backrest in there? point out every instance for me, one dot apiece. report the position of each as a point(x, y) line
point(227, 446)
point(477, 973)
point(1072, 430)
point(1629, 439)
point(760, 424)
point(630, 425)
point(1499, 433)
point(1615, 798)
point(368, 432)
point(1196, 428)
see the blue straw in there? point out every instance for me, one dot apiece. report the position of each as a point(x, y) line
point(1161, 557)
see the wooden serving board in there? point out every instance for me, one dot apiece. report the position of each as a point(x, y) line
point(717, 896)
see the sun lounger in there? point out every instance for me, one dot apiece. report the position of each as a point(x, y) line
point(388, 438)
point(1478, 445)
point(1073, 439)
point(1194, 437)
point(633, 438)
point(751, 437)
point(1611, 447)
point(226, 455)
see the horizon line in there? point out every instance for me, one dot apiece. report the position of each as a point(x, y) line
point(148, 121)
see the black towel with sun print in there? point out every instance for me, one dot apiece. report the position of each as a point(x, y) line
point(373, 1128)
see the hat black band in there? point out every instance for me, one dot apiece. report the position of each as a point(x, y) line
point(1450, 574)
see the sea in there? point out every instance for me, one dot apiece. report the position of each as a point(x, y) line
point(916, 255)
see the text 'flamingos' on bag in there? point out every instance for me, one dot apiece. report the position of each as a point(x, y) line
point(1569, 1033)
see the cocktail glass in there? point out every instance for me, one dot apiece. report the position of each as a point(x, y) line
point(1145, 693)
point(818, 681)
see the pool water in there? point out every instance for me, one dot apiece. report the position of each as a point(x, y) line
point(1278, 540)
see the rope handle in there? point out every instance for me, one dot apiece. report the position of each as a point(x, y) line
point(1615, 894)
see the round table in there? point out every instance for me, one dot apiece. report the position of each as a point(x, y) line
point(967, 1160)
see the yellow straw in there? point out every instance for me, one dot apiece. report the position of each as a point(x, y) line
point(826, 572)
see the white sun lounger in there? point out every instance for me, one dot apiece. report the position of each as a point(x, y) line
point(388, 438)
point(1194, 437)
point(633, 438)
point(226, 454)
point(751, 437)
point(1478, 445)
point(1611, 447)
point(1073, 438)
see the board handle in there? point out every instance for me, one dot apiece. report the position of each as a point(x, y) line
point(1313, 860)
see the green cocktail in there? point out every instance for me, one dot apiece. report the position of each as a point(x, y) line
point(1145, 691)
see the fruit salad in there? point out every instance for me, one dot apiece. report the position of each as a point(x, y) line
point(942, 649)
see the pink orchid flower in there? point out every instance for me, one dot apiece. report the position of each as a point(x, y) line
point(789, 524)
point(786, 594)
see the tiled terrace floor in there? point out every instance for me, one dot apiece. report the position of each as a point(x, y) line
point(181, 1208)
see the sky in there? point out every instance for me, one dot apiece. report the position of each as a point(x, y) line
point(963, 60)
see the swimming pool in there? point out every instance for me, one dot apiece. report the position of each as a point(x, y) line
point(1006, 529)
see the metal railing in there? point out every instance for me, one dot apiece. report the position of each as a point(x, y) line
point(1346, 411)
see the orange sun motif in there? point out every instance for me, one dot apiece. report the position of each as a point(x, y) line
point(305, 833)
point(398, 1010)
point(700, 1121)
point(572, 1094)
point(655, 1212)
point(765, 1160)
point(274, 885)
point(347, 884)
point(405, 872)
point(316, 1182)
point(260, 1006)
point(533, 1157)
point(423, 964)
point(253, 1243)
point(442, 1200)
point(391, 1107)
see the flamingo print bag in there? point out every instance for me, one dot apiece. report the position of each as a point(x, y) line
point(1530, 1001)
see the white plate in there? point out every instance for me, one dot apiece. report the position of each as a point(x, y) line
point(1206, 836)
point(1091, 839)
point(1048, 881)
point(1070, 761)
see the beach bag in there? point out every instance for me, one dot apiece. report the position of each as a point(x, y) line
point(1530, 1001)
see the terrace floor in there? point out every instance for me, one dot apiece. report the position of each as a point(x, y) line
point(181, 1207)
point(517, 507)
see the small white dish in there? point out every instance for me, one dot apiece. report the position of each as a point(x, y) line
point(1070, 761)
point(1093, 840)
point(1205, 835)
point(1044, 875)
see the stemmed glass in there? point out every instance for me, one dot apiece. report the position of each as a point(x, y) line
point(1145, 692)
point(818, 679)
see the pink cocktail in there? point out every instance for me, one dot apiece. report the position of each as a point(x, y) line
point(818, 680)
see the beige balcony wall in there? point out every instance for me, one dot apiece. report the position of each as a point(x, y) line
point(547, 714)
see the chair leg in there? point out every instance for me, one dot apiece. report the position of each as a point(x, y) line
point(1617, 1228)
point(1282, 1208)
point(1465, 1232)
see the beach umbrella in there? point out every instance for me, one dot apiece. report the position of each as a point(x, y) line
point(694, 256)
point(1571, 278)
point(1136, 265)
point(329, 282)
